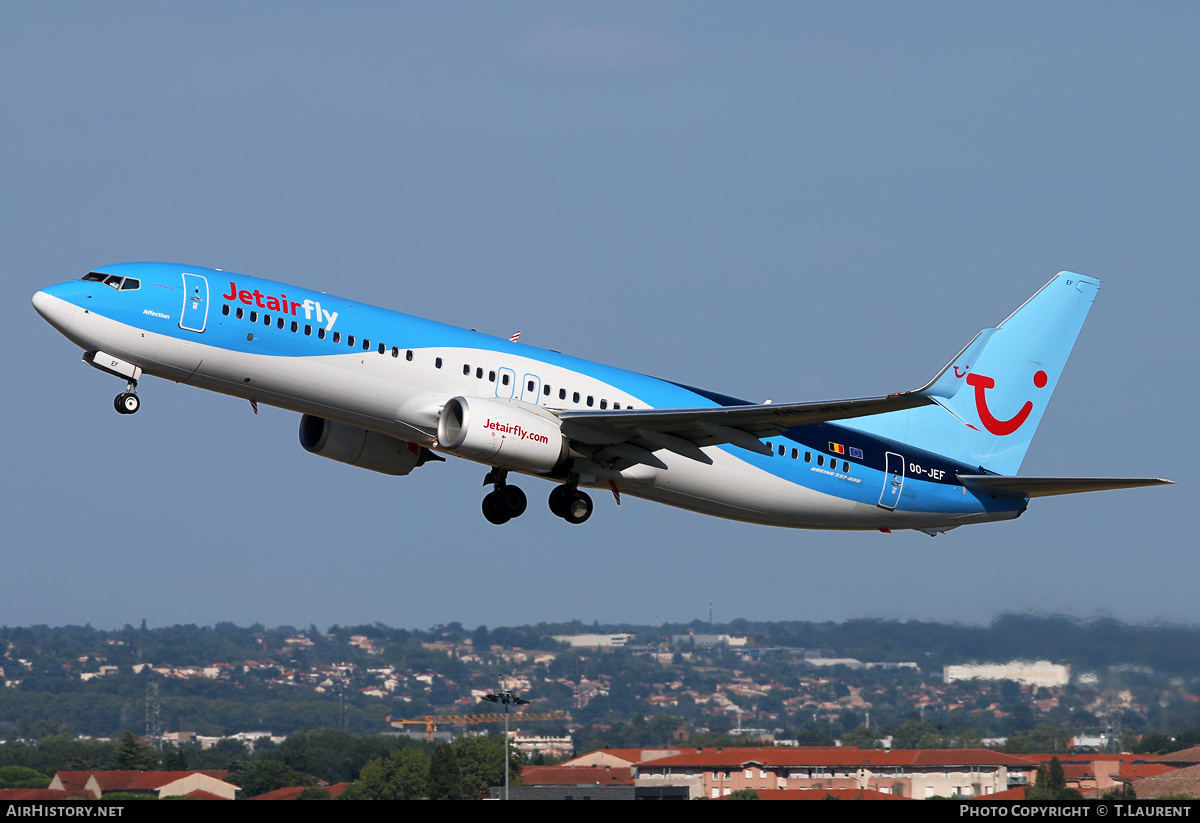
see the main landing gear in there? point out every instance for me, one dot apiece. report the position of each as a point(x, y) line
point(504, 502)
point(569, 503)
point(127, 402)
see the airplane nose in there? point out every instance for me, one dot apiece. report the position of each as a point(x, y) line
point(56, 311)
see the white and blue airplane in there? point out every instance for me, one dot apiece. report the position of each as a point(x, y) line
point(389, 392)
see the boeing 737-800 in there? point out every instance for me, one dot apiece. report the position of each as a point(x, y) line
point(389, 392)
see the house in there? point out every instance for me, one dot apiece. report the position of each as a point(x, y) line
point(204, 783)
point(718, 771)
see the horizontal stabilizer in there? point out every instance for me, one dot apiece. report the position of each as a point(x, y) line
point(1049, 486)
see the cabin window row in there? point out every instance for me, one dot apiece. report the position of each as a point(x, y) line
point(782, 451)
point(322, 333)
point(547, 389)
point(505, 379)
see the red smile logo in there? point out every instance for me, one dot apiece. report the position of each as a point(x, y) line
point(995, 426)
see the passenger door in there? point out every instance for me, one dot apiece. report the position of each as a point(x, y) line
point(195, 303)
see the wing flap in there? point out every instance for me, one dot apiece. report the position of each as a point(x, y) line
point(716, 425)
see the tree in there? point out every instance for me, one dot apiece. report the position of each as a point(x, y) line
point(22, 777)
point(445, 776)
point(1051, 784)
point(133, 754)
point(269, 775)
point(402, 775)
point(481, 763)
point(314, 793)
point(1123, 792)
point(862, 737)
point(743, 794)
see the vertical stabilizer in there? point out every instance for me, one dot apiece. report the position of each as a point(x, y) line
point(991, 397)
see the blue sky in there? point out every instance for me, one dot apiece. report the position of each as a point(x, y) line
point(798, 201)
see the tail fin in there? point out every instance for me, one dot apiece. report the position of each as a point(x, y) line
point(990, 398)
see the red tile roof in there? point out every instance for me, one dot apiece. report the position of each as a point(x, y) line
point(848, 756)
point(44, 794)
point(574, 776)
point(292, 792)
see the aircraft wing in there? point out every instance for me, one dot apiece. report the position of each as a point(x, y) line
point(634, 434)
point(1049, 486)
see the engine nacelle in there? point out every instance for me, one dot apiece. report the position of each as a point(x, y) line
point(501, 434)
point(359, 447)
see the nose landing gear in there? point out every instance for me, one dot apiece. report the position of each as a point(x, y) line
point(127, 402)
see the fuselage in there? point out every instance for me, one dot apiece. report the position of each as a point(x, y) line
point(393, 373)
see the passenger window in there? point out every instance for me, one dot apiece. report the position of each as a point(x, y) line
point(589, 400)
point(546, 389)
point(253, 317)
point(240, 313)
point(396, 351)
point(562, 394)
point(782, 449)
point(350, 340)
point(266, 319)
point(382, 348)
point(366, 344)
point(337, 337)
point(616, 406)
point(820, 460)
point(846, 466)
point(575, 397)
point(795, 453)
point(603, 403)
point(225, 310)
point(491, 377)
point(307, 330)
point(479, 373)
point(437, 363)
point(321, 332)
point(504, 379)
point(531, 386)
point(409, 355)
point(466, 370)
point(280, 323)
point(808, 457)
point(295, 326)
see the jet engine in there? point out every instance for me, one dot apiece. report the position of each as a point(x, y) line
point(359, 447)
point(502, 434)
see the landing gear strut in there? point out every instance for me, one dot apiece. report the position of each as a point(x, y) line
point(569, 503)
point(504, 502)
point(127, 402)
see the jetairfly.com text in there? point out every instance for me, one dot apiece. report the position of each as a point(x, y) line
point(516, 431)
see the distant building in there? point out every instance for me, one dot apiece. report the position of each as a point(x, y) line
point(201, 783)
point(1030, 672)
point(716, 772)
point(703, 640)
point(595, 640)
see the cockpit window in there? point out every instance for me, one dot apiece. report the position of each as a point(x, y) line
point(113, 280)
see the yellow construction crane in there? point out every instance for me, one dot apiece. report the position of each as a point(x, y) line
point(430, 721)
